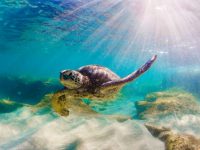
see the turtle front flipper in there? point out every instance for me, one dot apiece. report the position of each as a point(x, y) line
point(59, 103)
point(131, 77)
point(68, 101)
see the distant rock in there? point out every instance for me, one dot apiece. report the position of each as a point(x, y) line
point(171, 102)
point(174, 141)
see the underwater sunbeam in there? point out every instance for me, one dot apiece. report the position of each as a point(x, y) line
point(165, 27)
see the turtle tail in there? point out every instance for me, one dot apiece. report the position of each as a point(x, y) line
point(133, 75)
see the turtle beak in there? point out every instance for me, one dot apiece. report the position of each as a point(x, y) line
point(61, 74)
point(65, 75)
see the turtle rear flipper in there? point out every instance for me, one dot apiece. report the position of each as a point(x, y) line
point(130, 77)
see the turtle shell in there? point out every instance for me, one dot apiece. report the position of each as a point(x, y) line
point(98, 74)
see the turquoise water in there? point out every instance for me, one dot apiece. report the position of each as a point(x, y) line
point(39, 38)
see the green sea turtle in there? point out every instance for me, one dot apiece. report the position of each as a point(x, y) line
point(92, 82)
point(172, 140)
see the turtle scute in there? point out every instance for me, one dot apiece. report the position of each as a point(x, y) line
point(98, 74)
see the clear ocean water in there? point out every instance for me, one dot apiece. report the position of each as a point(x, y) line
point(39, 38)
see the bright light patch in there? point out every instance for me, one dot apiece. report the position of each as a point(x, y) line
point(148, 24)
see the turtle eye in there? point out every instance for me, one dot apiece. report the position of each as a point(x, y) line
point(65, 77)
point(72, 77)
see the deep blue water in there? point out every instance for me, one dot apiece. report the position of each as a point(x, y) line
point(39, 38)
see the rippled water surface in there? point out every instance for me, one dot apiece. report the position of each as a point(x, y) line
point(39, 38)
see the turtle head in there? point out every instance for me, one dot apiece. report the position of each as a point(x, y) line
point(71, 79)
